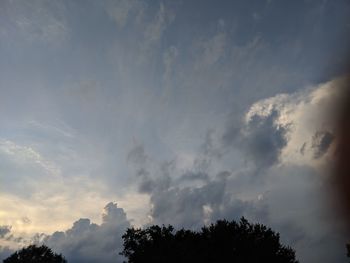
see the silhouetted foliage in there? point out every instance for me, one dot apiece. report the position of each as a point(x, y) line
point(223, 241)
point(35, 254)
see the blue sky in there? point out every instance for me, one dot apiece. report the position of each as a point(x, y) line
point(180, 112)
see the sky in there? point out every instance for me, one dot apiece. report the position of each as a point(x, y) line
point(130, 112)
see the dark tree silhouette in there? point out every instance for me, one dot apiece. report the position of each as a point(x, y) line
point(223, 241)
point(35, 254)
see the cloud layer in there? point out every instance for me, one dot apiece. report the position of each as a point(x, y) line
point(182, 113)
point(279, 163)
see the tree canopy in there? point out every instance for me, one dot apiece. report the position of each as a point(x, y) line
point(35, 254)
point(223, 241)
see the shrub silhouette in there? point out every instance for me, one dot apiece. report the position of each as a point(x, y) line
point(223, 241)
point(35, 254)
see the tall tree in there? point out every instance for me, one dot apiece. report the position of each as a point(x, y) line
point(35, 254)
point(223, 241)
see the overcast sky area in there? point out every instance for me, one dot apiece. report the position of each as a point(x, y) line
point(130, 112)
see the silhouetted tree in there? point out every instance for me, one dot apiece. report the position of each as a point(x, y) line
point(223, 241)
point(35, 254)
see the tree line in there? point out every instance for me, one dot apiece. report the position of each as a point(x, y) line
point(223, 241)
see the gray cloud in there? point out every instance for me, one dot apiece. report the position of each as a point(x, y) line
point(4, 230)
point(194, 197)
point(212, 187)
point(170, 75)
point(321, 142)
point(264, 185)
point(263, 140)
point(121, 11)
point(39, 21)
point(89, 242)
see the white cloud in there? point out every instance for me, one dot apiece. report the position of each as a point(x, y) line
point(308, 115)
point(26, 154)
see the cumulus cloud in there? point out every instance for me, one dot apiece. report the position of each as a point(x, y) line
point(280, 148)
point(273, 172)
point(90, 242)
point(192, 197)
point(263, 139)
point(83, 242)
point(307, 119)
point(80, 101)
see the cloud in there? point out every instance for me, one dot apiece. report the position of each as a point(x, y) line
point(224, 69)
point(35, 22)
point(38, 195)
point(137, 155)
point(306, 118)
point(83, 242)
point(25, 154)
point(194, 196)
point(263, 139)
point(274, 171)
point(169, 60)
point(25, 164)
point(321, 142)
point(4, 230)
point(89, 242)
point(211, 50)
point(120, 11)
point(157, 26)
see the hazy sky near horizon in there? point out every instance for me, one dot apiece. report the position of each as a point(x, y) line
point(132, 112)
